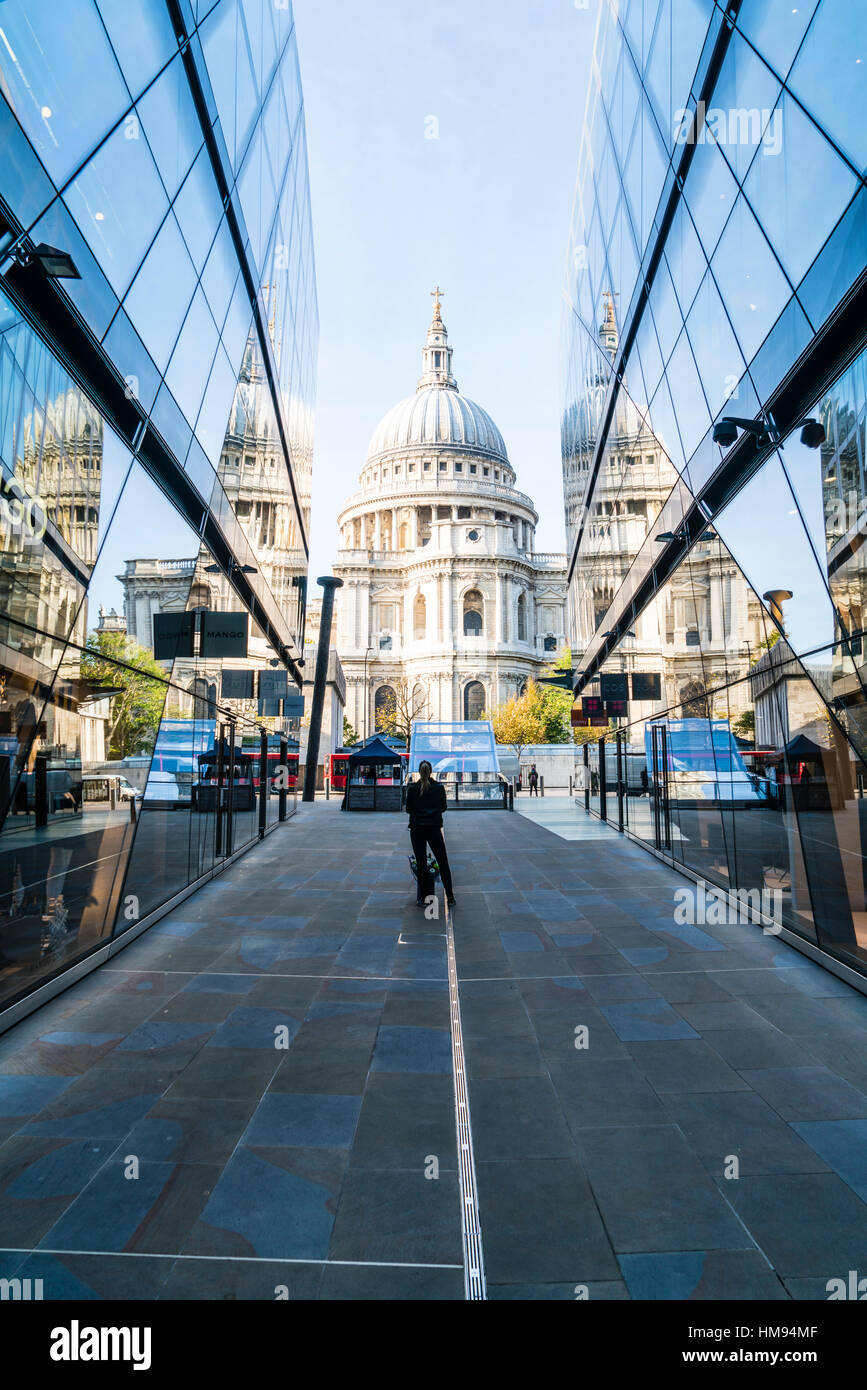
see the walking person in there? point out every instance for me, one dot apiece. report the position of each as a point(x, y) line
point(534, 781)
point(425, 803)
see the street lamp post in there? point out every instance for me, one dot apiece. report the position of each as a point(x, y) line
point(329, 584)
point(366, 699)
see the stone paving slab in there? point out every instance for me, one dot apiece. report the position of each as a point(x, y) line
point(656, 1112)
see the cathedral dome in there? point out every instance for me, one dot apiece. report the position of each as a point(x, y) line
point(437, 416)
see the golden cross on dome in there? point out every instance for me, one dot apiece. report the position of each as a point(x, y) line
point(437, 292)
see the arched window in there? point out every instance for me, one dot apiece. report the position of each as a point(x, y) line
point(474, 610)
point(522, 618)
point(419, 618)
point(204, 695)
point(418, 707)
point(384, 708)
point(474, 700)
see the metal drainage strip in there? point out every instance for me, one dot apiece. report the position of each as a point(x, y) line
point(474, 1265)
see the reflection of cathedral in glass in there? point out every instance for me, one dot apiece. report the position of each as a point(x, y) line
point(192, 304)
point(253, 475)
point(696, 634)
point(714, 452)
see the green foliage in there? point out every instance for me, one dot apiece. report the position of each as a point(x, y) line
point(350, 737)
point(593, 735)
point(139, 690)
point(745, 724)
point(540, 715)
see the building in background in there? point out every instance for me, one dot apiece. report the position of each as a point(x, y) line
point(446, 608)
point(715, 396)
point(158, 330)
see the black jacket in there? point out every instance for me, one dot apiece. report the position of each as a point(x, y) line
point(426, 808)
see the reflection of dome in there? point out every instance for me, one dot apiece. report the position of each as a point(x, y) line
point(437, 415)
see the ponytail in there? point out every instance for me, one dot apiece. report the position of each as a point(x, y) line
point(424, 774)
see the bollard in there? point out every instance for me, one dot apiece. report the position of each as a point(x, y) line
point(570, 786)
point(511, 796)
point(132, 809)
point(327, 789)
point(541, 786)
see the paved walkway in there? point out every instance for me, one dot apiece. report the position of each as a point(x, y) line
point(248, 1102)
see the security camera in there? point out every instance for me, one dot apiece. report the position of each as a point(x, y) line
point(813, 433)
point(725, 432)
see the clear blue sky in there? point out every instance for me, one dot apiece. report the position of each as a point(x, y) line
point(483, 210)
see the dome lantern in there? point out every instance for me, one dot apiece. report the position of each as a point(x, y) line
point(436, 355)
point(437, 415)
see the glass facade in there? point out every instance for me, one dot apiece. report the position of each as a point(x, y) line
point(156, 422)
point(716, 273)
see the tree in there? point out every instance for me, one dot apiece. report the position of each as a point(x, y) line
point(350, 737)
point(539, 715)
point(401, 705)
point(138, 688)
point(745, 724)
point(556, 701)
point(593, 735)
point(515, 725)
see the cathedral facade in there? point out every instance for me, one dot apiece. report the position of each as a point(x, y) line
point(446, 608)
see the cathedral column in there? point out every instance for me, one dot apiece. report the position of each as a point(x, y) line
point(441, 608)
point(717, 626)
point(377, 530)
point(413, 527)
point(142, 619)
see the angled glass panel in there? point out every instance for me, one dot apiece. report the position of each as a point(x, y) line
point(198, 209)
point(753, 288)
point(718, 358)
point(710, 193)
point(171, 125)
point(783, 184)
point(690, 406)
point(777, 29)
point(63, 119)
point(744, 99)
point(763, 530)
point(158, 299)
point(830, 75)
point(190, 366)
point(839, 263)
point(120, 176)
point(142, 37)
